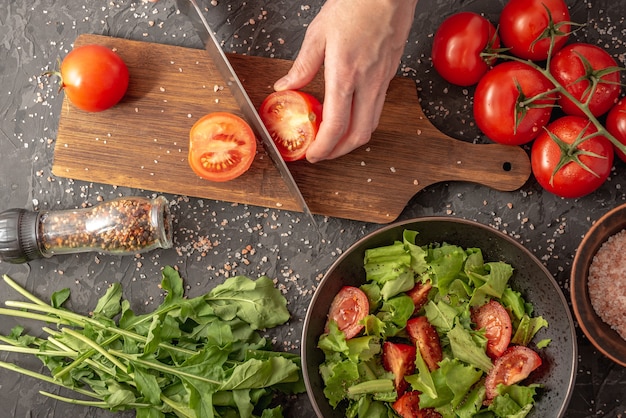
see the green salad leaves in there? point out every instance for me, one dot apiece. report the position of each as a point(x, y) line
point(353, 370)
point(193, 358)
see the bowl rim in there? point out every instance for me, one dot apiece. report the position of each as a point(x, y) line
point(403, 223)
point(579, 292)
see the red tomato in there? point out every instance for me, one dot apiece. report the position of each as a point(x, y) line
point(425, 337)
point(222, 146)
point(523, 22)
point(349, 307)
point(565, 164)
point(501, 107)
point(419, 294)
point(457, 46)
point(495, 320)
point(292, 119)
point(93, 77)
point(399, 359)
point(512, 367)
point(575, 67)
point(407, 406)
point(616, 125)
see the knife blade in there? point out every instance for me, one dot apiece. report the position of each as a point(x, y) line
point(192, 10)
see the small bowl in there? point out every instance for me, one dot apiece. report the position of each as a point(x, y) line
point(601, 335)
point(530, 278)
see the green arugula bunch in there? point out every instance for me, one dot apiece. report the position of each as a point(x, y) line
point(191, 358)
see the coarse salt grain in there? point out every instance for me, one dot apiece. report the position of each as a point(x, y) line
point(607, 282)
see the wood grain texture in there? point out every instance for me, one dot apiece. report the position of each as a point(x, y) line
point(142, 141)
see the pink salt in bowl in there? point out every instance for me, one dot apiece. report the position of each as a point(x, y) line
point(598, 290)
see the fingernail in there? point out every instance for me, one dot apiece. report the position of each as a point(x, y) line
point(281, 84)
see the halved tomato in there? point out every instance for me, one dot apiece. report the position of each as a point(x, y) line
point(349, 307)
point(495, 320)
point(512, 367)
point(222, 146)
point(292, 118)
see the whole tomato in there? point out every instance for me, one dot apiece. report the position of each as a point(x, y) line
point(525, 27)
point(457, 47)
point(93, 77)
point(567, 160)
point(588, 73)
point(616, 125)
point(503, 108)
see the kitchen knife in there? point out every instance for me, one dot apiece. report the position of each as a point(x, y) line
point(191, 9)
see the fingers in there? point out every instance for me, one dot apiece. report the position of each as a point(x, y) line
point(350, 116)
point(307, 63)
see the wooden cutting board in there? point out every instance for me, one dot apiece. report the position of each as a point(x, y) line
point(142, 141)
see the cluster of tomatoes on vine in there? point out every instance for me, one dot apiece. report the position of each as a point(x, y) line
point(526, 69)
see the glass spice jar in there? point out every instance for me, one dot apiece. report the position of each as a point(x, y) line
point(123, 226)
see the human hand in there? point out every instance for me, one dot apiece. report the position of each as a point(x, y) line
point(360, 43)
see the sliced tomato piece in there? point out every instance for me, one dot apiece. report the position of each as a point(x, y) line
point(222, 146)
point(348, 309)
point(419, 294)
point(407, 406)
point(399, 359)
point(495, 320)
point(292, 119)
point(425, 337)
point(512, 367)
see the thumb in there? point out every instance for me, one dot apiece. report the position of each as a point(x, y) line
point(305, 67)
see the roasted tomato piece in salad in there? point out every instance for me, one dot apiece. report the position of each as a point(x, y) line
point(348, 309)
point(495, 320)
point(425, 337)
point(399, 359)
point(408, 406)
point(512, 367)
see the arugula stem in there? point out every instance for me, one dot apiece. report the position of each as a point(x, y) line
point(174, 405)
point(83, 357)
point(99, 404)
point(35, 351)
point(33, 316)
point(163, 368)
point(48, 379)
point(19, 289)
point(70, 318)
point(96, 347)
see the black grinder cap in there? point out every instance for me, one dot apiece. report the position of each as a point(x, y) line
point(18, 236)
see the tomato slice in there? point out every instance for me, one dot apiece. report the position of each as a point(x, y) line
point(348, 309)
point(419, 294)
point(512, 367)
point(222, 146)
point(399, 359)
point(495, 320)
point(292, 119)
point(425, 337)
point(407, 406)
